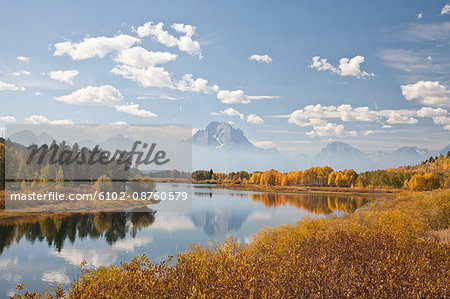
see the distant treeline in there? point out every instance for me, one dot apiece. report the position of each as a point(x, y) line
point(418, 180)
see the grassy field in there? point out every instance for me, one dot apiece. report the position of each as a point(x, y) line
point(396, 248)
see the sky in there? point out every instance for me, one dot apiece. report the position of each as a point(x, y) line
point(292, 74)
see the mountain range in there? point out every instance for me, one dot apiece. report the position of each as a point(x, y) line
point(224, 148)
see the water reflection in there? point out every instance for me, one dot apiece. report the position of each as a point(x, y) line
point(315, 203)
point(56, 229)
point(214, 221)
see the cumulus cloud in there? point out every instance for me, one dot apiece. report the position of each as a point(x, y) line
point(347, 66)
point(92, 95)
point(261, 58)
point(8, 119)
point(233, 97)
point(140, 57)
point(23, 58)
point(309, 114)
point(316, 116)
point(431, 112)
point(187, 83)
point(20, 73)
point(133, 109)
point(438, 115)
point(254, 119)
point(147, 77)
point(64, 76)
point(397, 117)
point(427, 92)
point(95, 46)
point(184, 42)
point(445, 10)
point(238, 97)
point(9, 86)
point(104, 95)
point(40, 119)
point(327, 129)
point(442, 120)
point(231, 112)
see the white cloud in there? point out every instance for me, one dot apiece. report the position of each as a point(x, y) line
point(164, 97)
point(9, 86)
point(369, 132)
point(445, 10)
point(261, 97)
point(40, 119)
point(316, 115)
point(140, 57)
point(95, 46)
point(427, 92)
point(19, 73)
point(312, 113)
point(8, 119)
point(397, 117)
point(187, 83)
point(133, 109)
point(184, 42)
point(442, 120)
point(233, 97)
point(419, 16)
point(261, 58)
point(64, 76)
point(327, 129)
point(263, 144)
point(431, 112)
point(238, 97)
point(347, 113)
point(351, 67)
point(347, 67)
point(231, 112)
point(23, 58)
point(254, 119)
point(91, 95)
point(147, 77)
point(105, 95)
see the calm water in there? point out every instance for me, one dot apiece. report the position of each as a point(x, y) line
point(47, 251)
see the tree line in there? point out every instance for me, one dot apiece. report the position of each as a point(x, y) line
point(327, 177)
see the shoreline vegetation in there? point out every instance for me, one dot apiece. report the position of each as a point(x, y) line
point(391, 248)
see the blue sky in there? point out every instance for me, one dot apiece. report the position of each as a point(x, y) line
point(372, 74)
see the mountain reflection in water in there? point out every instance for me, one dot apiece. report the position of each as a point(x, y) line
point(213, 220)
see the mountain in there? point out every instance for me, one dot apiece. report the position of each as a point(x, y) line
point(27, 138)
point(407, 155)
point(222, 135)
point(2, 140)
point(445, 150)
point(339, 155)
point(224, 148)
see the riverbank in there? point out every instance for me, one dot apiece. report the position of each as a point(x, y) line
point(308, 189)
point(394, 248)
